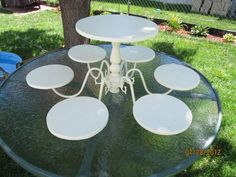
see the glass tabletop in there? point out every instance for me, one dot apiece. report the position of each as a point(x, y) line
point(123, 148)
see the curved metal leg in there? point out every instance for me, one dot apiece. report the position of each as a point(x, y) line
point(101, 90)
point(124, 68)
point(132, 71)
point(128, 80)
point(83, 85)
point(107, 70)
point(141, 76)
point(169, 91)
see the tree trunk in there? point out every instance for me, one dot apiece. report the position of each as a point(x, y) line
point(71, 12)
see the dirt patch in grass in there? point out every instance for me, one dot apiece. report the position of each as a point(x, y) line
point(186, 33)
point(20, 11)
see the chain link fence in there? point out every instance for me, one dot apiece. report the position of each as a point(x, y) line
point(221, 8)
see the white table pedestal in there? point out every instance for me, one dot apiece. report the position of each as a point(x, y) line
point(116, 29)
point(115, 69)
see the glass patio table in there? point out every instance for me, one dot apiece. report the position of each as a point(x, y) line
point(123, 148)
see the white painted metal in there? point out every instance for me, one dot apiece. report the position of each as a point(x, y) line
point(127, 79)
point(80, 118)
point(115, 76)
point(116, 29)
point(50, 76)
point(176, 77)
point(133, 70)
point(83, 85)
point(137, 54)
point(141, 76)
point(86, 53)
point(106, 70)
point(77, 118)
point(162, 114)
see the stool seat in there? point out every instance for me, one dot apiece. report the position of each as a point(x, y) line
point(50, 76)
point(137, 54)
point(176, 77)
point(86, 53)
point(77, 118)
point(162, 114)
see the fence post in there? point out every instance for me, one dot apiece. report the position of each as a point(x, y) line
point(129, 3)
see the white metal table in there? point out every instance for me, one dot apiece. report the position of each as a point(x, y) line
point(116, 29)
point(171, 117)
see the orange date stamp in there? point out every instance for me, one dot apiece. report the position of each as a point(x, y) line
point(208, 152)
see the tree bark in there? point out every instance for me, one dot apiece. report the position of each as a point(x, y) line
point(71, 12)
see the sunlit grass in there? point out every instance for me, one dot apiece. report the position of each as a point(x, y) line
point(194, 18)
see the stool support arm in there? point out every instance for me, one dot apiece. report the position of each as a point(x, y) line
point(132, 71)
point(104, 62)
point(83, 85)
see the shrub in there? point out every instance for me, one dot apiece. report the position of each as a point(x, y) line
point(105, 13)
point(199, 30)
point(175, 23)
point(52, 2)
point(229, 37)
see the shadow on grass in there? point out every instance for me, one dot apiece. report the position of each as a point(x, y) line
point(27, 44)
point(30, 43)
point(215, 164)
point(5, 11)
point(181, 53)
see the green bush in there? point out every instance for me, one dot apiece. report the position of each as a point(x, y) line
point(52, 2)
point(199, 30)
point(229, 37)
point(175, 23)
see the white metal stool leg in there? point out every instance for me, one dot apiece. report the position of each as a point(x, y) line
point(107, 70)
point(143, 80)
point(115, 77)
point(83, 85)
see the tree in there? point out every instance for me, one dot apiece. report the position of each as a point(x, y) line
point(3, 3)
point(72, 11)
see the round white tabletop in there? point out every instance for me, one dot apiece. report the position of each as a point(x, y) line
point(177, 77)
point(50, 76)
point(116, 28)
point(137, 54)
point(162, 114)
point(86, 53)
point(77, 118)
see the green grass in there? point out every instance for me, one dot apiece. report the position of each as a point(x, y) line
point(194, 18)
point(38, 33)
point(30, 35)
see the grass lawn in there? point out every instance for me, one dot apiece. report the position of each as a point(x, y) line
point(30, 35)
point(194, 18)
point(38, 33)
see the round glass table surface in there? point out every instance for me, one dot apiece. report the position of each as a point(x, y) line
point(123, 147)
point(116, 28)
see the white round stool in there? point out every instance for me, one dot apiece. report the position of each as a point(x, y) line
point(137, 54)
point(77, 118)
point(50, 76)
point(177, 77)
point(86, 53)
point(162, 114)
